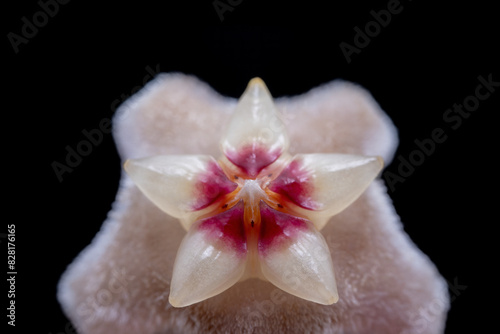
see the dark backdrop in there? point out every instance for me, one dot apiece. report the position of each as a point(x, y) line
point(71, 71)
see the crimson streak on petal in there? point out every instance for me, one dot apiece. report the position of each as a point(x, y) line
point(295, 184)
point(211, 186)
point(277, 227)
point(227, 228)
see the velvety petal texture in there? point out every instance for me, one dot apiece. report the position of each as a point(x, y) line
point(121, 283)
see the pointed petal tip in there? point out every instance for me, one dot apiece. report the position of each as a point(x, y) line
point(329, 296)
point(178, 303)
point(182, 296)
point(333, 299)
point(174, 302)
point(323, 300)
point(126, 165)
point(323, 294)
point(257, 88)
point(256, 82)
point(377, 162)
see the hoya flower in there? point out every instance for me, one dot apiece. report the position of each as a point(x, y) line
point(257, 211)
point(267, 206)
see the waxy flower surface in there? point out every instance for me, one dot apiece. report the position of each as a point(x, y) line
point(190, 153)
point(257, 211)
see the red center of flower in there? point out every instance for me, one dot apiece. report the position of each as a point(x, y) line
point(254, 213)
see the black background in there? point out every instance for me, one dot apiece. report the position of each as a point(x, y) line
point(65, 79)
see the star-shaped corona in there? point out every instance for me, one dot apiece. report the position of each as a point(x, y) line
point(257, 211)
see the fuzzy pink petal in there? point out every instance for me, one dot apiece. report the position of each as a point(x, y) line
point(120, 283)
point(338, 117)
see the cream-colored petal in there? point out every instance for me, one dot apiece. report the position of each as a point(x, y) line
point(180, 185)
point(255, 135)
point(322, 185)
point(295, 257)
point(204, 267)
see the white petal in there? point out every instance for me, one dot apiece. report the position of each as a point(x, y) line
point(211, 258)
point(323, 185)
point(180, 185)
point(255, 130)
point(295, 257)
